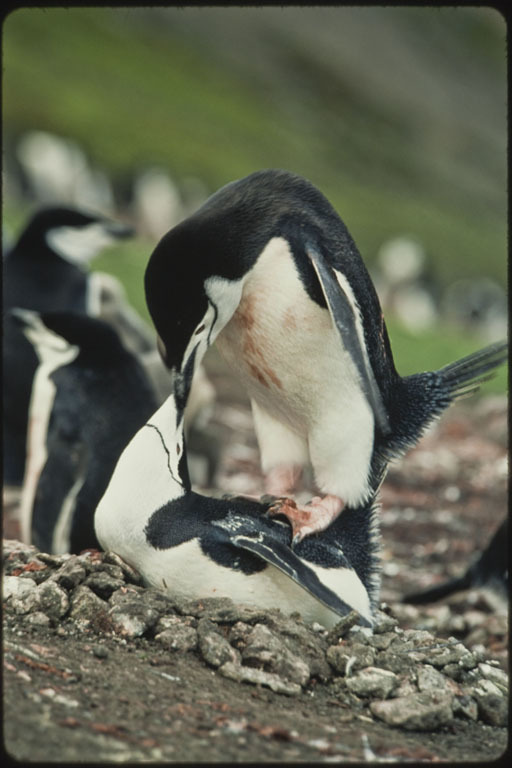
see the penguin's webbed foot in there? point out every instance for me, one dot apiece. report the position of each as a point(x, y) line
point(313, 517)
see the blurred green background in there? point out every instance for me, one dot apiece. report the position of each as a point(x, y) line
point(397, 114)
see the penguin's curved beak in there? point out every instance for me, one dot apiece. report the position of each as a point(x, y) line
point(119, 231)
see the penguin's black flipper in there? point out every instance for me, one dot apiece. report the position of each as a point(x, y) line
point(342, 314)
point(247, 534)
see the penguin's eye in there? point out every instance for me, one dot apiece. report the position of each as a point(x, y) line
point(201, 328)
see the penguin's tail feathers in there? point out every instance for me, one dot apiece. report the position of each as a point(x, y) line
point(464, 377)
point(424, 396)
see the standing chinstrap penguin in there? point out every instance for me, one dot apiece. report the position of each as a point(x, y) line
point(267, 270)
point(90, 396)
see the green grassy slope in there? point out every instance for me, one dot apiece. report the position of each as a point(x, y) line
point(398, 115)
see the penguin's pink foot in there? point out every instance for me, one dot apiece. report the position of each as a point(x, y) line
point(313, 517)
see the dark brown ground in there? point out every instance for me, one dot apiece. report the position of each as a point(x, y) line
point(80, 697)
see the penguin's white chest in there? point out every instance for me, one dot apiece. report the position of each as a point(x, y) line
point(271, 337)
point(284, 346)
point(294, 366)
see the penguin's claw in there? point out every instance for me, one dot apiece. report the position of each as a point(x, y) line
point(313, 517)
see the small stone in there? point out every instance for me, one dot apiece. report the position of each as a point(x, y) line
point(221, 609)
point(456, 672)
point(425, 711)
point(420, 638)
point(87, 609)
point(343, 626)
point(372, 682)
point(406, 687)
point(38, 619)
point(467, 661)
point(54, 560)
point(177, 637)
point(382, 641)
point(243, 674)
point(53, 600)
point(214, 648)
point(265, 649)
point(172, 621)
point(466, 707)
point(99, 651)
point(130, 574)
point(71, 573)
point(361, 635)
point(239, 633)
point(349, 658)
point(132, 619)
point(383, 623)
point(447, 654)
point(20, 594)
point(484, 686)
point(492, 708)
point(103, 584)
point(158, 601)
point(494, 674)
point(126, 594)
point(429, 679)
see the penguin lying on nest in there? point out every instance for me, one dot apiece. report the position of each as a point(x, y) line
point(193, 546)
point(90, 396)
point(267, 270)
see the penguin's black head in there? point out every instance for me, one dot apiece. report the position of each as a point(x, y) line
point(198, 266)
point(72, 234)
point(93, 338)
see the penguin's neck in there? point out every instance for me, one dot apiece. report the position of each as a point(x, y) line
point(149, 474)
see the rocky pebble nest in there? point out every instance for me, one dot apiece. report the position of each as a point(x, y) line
point(418, 670)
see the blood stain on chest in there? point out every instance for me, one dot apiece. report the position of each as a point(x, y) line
point(252, 343)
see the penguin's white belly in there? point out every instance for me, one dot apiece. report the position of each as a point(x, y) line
point(292, 361)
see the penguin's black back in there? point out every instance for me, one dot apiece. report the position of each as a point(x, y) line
point(227, 234)
point(102, 398)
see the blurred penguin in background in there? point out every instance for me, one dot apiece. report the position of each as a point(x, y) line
point(90, 396)
point(45, 270)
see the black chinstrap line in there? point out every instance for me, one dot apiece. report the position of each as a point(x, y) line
point(153, 426)
point(215, 316)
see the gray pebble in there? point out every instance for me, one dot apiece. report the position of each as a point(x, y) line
point(425, 711)
point(341, 628)
point(492, 708)
point(99, 651)
point(53, 600)
point(347, 658)
point(103, 584)
point(244, 674)
point(214, 648)
point(372, 682)
point(87, 609)
point(466, 707)
point(266, 650)
point(176, 634)
point(38, 619)
point(71, 573)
